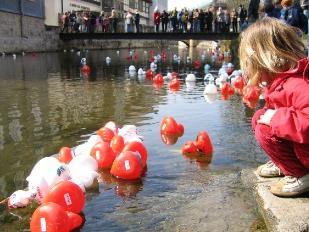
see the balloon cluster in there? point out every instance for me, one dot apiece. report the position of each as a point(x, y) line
point(59, 184)
point(202, 145)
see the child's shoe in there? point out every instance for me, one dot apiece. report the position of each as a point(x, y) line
point(269, 170)
point(290, 186)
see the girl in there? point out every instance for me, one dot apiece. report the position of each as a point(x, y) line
point(271, 52)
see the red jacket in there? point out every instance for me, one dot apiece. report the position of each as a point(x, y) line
point(156, 18)
point(289, 95)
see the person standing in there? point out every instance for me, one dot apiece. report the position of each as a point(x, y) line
point(227, 21)
point(114, 20)
point(156, 19)
point(241, 15)
point(201, 18)
point(129, 22)
point(137, 19)
point(174, 19)
point(234, 17)
point(164, 20)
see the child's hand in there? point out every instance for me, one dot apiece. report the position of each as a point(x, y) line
point(266, 117)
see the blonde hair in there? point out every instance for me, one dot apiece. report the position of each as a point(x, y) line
point(268, 47)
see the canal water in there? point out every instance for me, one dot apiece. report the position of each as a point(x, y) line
point(46, 103)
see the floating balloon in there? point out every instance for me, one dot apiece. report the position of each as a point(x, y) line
point(52, 217)
point(127, 166)
point(158, 79)
point(117, 144)
point(239, 83)
point(85, 69)
point(227, 89)
point(189, 148)
point(108, 60)
point(169, 139)
point(129, 134)
point(140, 149)
point(174, 84)
point(210, 89)
point(103, 154)
point(191, 78)
point(149, 74)
point(65, 155)
point(68, 195)
point(141, 71)
point(251, 95)
point(132, 68)
point(19, 199)
point(169, 126)
point(209, 77)
point(46, 173)
point(106, 134)
point(203, 143)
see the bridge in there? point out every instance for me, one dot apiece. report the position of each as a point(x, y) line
point(150, 36)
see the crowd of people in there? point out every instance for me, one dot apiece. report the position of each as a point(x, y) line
point(188, 21)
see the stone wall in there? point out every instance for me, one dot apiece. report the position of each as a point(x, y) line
point(23, 33)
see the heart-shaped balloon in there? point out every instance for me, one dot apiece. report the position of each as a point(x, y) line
point(140, 148)
point(117, 144)
point(189, 148)
point(103, 154)
point(67, 194)
point(158, 79)
point(106, 134)
point(65, 155)
point(52, 217)
point(127, 166)
point(203, 143)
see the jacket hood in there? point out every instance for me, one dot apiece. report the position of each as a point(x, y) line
point(301, 70)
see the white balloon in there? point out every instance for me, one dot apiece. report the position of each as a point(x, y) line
point(191, 78)
point(210, 89)
point(112, 126)
point(141, 72)
point(20, 198)
point(210, 98)
point(190, 85)
point(84, 177)
point(208, 77)
point(132, 68)
point(83, 163)
point(108, 60)
point(129, 134)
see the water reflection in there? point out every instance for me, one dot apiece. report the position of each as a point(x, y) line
point(46, 103)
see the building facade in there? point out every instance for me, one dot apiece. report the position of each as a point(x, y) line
point(33, 8)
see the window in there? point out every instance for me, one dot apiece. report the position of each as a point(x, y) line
point(132, 4)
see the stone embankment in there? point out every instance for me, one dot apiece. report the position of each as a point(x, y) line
point(280, 214)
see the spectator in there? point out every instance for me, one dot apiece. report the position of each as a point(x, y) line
point(234, 17)
point(92, 23)
point(227, 21)
point(196, 23)
point(209, 19)
point(242, 15)
point(101, 18)
point(137, 19)
point(129, 21)
point(268, 9)
point(220, 19)
point(253, 10)
point(164, 19)
point(185, 20)
point(174, 19)
point(66, 21)
point(106, 24)
point(72, 20)
point(294, 16)
point(156, 19)
point(201, 18)
point(114, 20)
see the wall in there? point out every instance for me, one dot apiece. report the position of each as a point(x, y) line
point(33, 8)
point(24, 33)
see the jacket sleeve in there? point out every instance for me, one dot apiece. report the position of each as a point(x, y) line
point(292, 123)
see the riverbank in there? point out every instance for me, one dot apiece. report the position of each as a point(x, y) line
point(280, 214)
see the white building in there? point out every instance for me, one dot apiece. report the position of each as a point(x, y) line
point(54, 8)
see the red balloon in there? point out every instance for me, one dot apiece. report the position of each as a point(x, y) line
point(197, 64)
point(106, 134)
point(169, 139)
point(189, 148)
point(68, 195)
point(174, 83)
point(151, 59)
point(103, 154)
point(117, 144)
point(65, 155)
point(170, 127)
point(175, 75)
point(251, 95)
point(239, 83)
point(139, 147)
point(85, 69)
point(181, 129)
point(52, 217)
point(231, 90)
point(157, 86)
point(158, 79)
point(203, 143)
point(225, 89)
point(128, 166)
point(149, 74)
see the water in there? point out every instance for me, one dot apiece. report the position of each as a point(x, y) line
point(45, 103)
